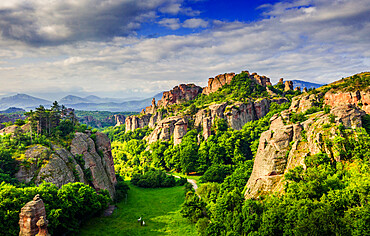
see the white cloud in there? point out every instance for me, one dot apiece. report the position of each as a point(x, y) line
point(171, 23)
point(297, 41)
point(195, 23)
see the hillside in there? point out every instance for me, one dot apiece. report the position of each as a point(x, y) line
point(260, 149)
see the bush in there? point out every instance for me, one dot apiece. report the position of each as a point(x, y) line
point(156, 179)
point(121, 188)
point(215, 173)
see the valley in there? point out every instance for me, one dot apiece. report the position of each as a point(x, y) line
point(267, 160)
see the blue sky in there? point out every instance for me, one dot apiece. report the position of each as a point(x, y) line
point(136, 48)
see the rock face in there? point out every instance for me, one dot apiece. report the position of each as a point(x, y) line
point(357, 98)
point(304, 102)
point(58, 165)
point(215, 83)
point(284, 147)
point(181, 93)
point(151, 109)
point(100, 162)
point(135, 122)
point(180, 130)
point(237, 115)
point(119, 119)
point(166, 127)
point(288, 85)
point(33, 218)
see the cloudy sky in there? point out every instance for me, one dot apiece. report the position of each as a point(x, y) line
point(136, 48)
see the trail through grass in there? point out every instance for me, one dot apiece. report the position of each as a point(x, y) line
point(159, 207)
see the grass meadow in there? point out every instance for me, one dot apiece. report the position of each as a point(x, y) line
point(159, 208)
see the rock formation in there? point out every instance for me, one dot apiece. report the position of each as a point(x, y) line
point(135, 122)
point(357, 98)
point(297, 89)
point(281, 81)
point(57, 165)
point(152, 108)
point(215, 83)
point(180, 130)
point(304, 102)
point(284, 147)
point(181, 93)
point(288, 85)
point(119, 119)
point(166, 127)
point(32, 219)
point(99, 161)
point(305, 90)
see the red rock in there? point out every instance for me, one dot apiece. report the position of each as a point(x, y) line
point(30, 215)
point(215, 83)
point(358, 98)
point(179, 94)
point(288, 85)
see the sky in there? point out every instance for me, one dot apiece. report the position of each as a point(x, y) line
point(137, 48)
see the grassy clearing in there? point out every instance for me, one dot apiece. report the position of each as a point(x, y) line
point(194, 177)
point(159, 207)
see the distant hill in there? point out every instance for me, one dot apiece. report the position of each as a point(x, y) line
point(13, 110)
point(22, 101)
point(115, 106)
point(308, 85)
point(89, 103)
point(71, 99)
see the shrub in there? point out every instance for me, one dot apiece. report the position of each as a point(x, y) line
point(215, 173)
point(155, 178)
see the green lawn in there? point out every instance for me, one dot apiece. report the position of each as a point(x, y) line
point(159, 207)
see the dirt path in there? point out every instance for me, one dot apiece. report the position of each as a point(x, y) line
point(192, 181)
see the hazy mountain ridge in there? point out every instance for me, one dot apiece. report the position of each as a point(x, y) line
point(90, 103)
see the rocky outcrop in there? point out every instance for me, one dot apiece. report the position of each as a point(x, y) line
point(119, 119)
point(215, 83)
point(99, 161)
point(220, 80)
point(285, 145)
point(57, 165)
point(305, 90)
point(288, 85)
point(237, 115)
point(297, 89)
point(304, 102)
point(261, 80)
point(32, 219)
point(165, 129)
point(135, 122)
point(179, 94)
point(151, 109)
point(357, 98)
point(180, 130)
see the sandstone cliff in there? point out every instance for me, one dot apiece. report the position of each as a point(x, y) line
point(357, 98)
point(181, 93)
point(59, 166)
point(285, 145)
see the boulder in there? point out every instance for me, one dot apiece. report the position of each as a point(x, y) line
point(32, 219)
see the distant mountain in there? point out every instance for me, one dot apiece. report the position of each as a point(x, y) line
point(13, 110)
point(70, 99)
point(308, 85)
point(22, 101)
point(89, 103)
point(115, 106)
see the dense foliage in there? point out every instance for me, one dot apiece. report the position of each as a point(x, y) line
point(154, 178)
point(66, 207)
point(326, 191)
